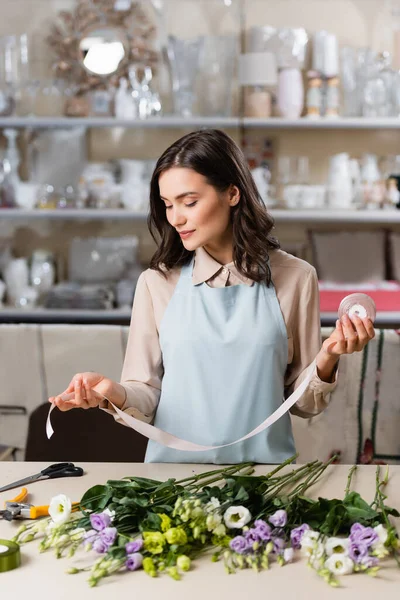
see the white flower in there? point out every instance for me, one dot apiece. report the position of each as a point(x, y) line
point(339, 564)
point(310, 544)
point(110, 513)
point(213, 521)
point(336, 545)
point(236, 517)
point(220, 531)
point(212, 505)
point(378, 547)
point(288, 555)
point(382, 535)
point(60, 509)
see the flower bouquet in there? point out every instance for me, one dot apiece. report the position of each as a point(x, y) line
point(238, 518)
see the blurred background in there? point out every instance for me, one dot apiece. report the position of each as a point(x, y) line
point(93, 91)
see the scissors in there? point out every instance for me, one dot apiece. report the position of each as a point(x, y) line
point(51, 472)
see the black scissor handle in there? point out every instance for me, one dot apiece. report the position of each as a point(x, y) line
point(62, 470)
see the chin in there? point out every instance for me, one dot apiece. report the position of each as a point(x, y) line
point(191, 245)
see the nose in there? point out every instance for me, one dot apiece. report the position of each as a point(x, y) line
point(176, 217)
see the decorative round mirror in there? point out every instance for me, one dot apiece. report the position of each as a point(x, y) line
point(102, 51)
point(96, 43)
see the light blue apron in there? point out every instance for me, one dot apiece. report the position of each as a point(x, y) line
point(224, 352)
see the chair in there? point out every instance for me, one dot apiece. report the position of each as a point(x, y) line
point(82, 435)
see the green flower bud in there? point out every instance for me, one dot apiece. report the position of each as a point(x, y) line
point(173, 572)
point(176, 535)
point(154, 541)
point(183, 562)
point(268, 548)
point(165, 522)
point(240, 561)
point(149, 566)
point(196, 532)
point(72, 571)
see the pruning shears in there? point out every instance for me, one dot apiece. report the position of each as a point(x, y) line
point(17, 508)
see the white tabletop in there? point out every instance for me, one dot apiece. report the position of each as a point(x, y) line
point(44, 575)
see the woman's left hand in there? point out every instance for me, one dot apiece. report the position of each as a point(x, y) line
point(350, 335)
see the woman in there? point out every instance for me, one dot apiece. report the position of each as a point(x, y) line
point(224, 323)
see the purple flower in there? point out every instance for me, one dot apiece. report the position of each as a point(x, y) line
point(363, 535)
point(279, 518)
point(263, 530)
point(279, 545)
point(100, 546)
point(108, 535)
point(296, 534)
point(370, 561)
point(134, 561)
point(238, 544)
point(251, 536)
point(90, 536)
point(357, 552)
point(100, 521)
point(135, 546)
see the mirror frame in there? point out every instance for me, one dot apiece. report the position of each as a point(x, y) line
point(133, 25)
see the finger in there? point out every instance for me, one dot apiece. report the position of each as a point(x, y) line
point(362, 333)
point(350, 334)
point(90, 396)
point(369, 326)
point(70, 387)
point(338, 345)
point(80, 396)
point(63, 404)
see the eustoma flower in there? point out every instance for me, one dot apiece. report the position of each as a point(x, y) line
point(60, 509)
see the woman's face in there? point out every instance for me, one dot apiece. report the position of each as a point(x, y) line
point(199, 213)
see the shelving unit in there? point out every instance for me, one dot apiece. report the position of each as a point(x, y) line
point(308, 217)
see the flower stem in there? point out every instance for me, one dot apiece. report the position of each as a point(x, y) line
point(350, 475)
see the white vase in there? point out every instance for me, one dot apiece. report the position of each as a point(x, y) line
point(290, 93)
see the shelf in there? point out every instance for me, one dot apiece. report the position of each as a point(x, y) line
point(336, 216)
point(281, 216)
point(88, 214)
point(42, 315)
point(167, 122)
point(171, 122)
point(384, 320)
point(339, 123)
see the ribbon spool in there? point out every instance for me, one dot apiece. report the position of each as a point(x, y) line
point(360, 305)
point(10, 556)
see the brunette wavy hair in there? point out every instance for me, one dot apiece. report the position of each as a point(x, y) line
point(217, 157)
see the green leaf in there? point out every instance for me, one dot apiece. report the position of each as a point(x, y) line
point(145, 483)
point(358, 509)
point(96, 498)
point(152, 522)
point(117, 552)
point(118, 484)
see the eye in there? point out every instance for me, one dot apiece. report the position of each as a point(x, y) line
point(167, 207)
point(192, 203)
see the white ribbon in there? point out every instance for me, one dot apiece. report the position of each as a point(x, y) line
point(171, 441)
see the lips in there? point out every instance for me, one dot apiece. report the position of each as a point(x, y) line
point(185, 234)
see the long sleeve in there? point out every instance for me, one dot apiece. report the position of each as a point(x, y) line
point(142, 370)
point(306, 331)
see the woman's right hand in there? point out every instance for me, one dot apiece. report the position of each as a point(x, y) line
point(86, 390)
